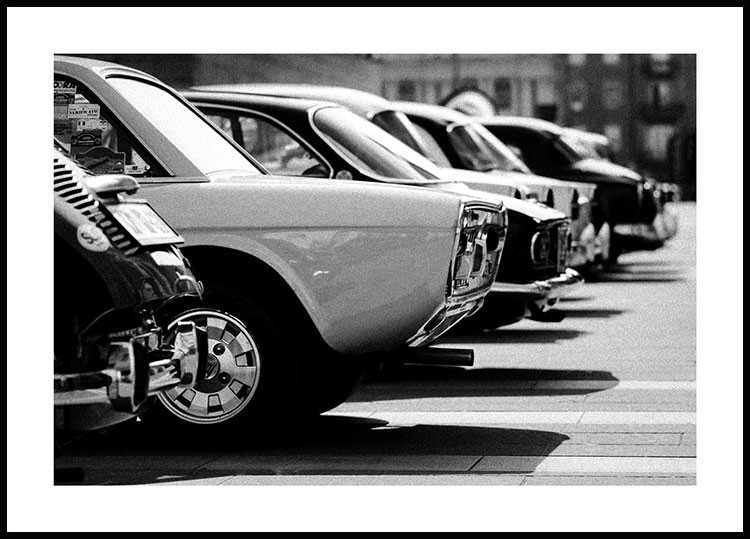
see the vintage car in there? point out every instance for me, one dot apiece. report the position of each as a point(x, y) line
point(510, 176)
point(597, 146)
point(304, 278)
point(118, 276)
point(623, 200)
point(304, 137)
point(450, 135)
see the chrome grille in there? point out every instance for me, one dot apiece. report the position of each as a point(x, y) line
point(69, 187)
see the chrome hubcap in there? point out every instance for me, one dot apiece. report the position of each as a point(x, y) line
point(231, 373)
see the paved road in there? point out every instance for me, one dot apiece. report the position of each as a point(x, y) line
point(607, 396)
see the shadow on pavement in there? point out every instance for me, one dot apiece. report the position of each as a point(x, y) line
point(330, 445)
point(592, 313)
point(512, 336)
point(635, 277)
point(400, 382)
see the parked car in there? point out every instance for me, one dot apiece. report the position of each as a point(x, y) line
point(597, 146)
point(303, 277)
point(118, 275)
point(306, 137)
point(510, 176)
point(466, 144)
point(623, 201)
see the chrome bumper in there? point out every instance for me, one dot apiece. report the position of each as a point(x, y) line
point(137, 369)
point(665, 223)
point(638, 231)
point(446, 316)
point(543, 294)
point(583, 249)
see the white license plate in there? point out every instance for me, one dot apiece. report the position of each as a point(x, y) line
point(144, 224)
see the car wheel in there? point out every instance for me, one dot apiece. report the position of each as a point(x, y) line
point(252, 374)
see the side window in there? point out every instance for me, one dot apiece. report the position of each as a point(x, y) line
point(436, 154)
point(278, 151)
point(92, 135)
point(222, 122)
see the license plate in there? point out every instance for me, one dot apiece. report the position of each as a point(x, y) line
point(142, 222)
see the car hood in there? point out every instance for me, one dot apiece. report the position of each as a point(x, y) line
point(600, 167)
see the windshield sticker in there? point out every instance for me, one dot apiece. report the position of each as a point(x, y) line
point(92, 125)
point(135, 169)
point(92, 238)
point(64, 92)
point(83, 111)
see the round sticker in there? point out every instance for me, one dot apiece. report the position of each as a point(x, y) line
point(92, 238)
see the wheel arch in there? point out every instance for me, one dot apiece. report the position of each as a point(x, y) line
point(261, 280)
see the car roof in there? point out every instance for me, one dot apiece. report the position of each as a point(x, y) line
point(535, 124)
point(436, 113)
point(99, 66)
point(361, 102)
point(240, 99)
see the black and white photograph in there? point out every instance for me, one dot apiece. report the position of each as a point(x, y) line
point(375, 268)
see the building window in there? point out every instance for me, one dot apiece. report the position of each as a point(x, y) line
point(660, 94)
point(407, 90)
point(576, 59)
point(614, 133)
point(656, 141)
point(577, 96)
point(503, 93)
point(611, 59)
point(660, 63)
point(612, 94)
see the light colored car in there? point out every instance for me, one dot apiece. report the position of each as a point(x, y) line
point(312, 138)
point(300, 275)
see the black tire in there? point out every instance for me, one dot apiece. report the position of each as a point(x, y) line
point(328, 380)
point(253, 378)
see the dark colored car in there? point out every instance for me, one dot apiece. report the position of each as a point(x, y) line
point(623, 200)
point(300, 137)
point(118, 276)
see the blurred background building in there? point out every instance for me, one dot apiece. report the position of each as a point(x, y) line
point(644, 103)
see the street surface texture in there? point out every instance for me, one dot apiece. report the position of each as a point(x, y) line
point(605, 397)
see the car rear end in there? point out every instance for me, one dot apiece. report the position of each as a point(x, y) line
point(117, 273)
point(480, 239)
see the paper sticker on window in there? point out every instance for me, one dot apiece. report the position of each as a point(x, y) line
point(100, 160)
point(83, 111)
point(65, 92)
point(135, 169)
point(91, 125)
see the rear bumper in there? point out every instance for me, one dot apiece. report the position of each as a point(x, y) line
point(583, 248)
point(637, 236)
point(543, 294)
point(138, 368)
point(665, 223)
point(446, 316)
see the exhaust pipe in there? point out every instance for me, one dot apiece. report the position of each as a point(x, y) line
point(446, 357)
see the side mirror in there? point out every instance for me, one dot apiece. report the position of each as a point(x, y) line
point(110, 185)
